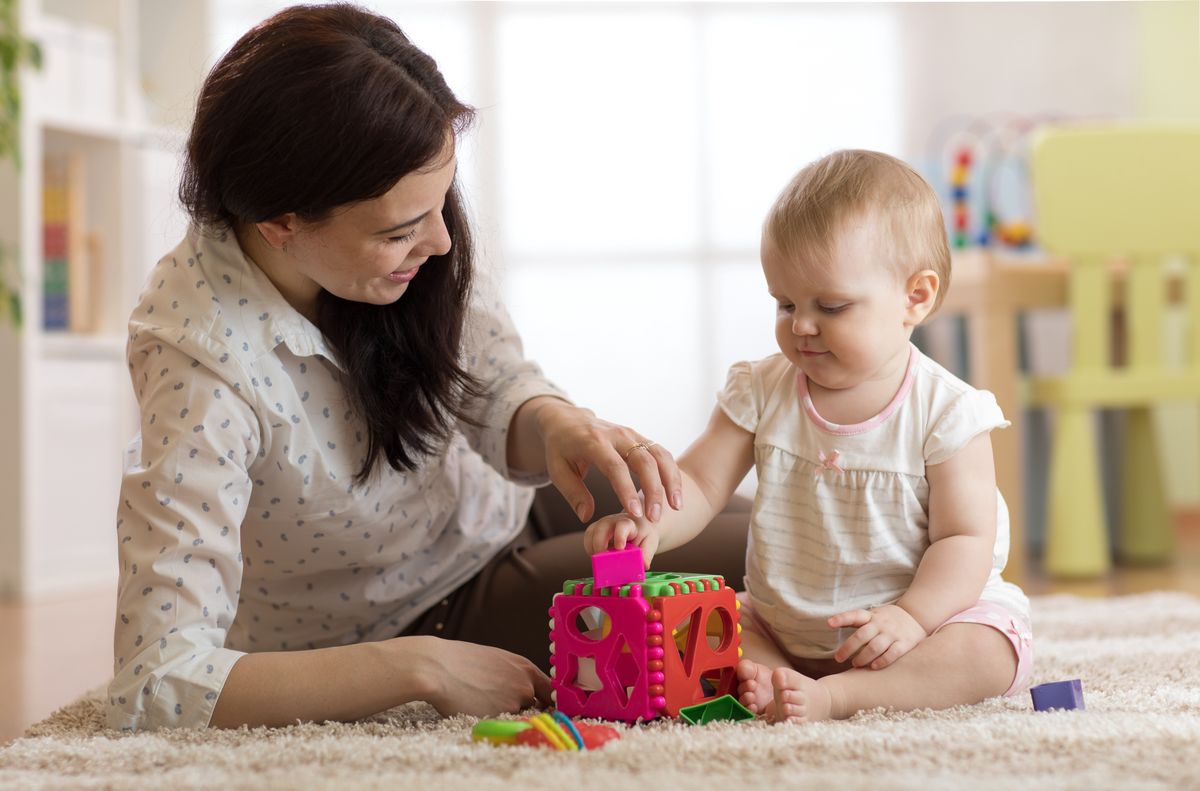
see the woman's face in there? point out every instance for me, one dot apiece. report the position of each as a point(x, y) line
point(370, 251)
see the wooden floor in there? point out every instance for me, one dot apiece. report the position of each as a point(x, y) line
point(54, 651)
point(51, 653)
point(1182, 574)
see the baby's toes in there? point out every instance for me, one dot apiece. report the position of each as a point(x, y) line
point(748, 696)
point(790, 706)
point(799, 698)
point(748, 671)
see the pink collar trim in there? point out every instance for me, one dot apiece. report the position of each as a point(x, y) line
point(869, 423)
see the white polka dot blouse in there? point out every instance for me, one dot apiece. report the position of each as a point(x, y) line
point(239, 529)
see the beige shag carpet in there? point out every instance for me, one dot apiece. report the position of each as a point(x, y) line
point(1138, 657)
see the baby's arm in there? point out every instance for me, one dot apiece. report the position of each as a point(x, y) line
point(953, 570)
point(711, 469)
point(962, 536)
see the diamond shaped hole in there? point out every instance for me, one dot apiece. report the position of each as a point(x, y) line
point(623, 670)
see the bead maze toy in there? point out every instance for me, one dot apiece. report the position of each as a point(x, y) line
point(983, 161)
point(958, 193)
point(643, 646)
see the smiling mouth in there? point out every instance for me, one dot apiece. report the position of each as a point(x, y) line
point(403, 276)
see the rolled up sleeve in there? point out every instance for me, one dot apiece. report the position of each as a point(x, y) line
point(183, 498)
point(495, 356)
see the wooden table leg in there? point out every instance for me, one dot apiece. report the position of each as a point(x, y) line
point(993, 365)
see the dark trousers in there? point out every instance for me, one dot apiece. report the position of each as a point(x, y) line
point(506, 603)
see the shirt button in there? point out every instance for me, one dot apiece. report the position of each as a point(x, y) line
point(438, 627)
point(445, 602)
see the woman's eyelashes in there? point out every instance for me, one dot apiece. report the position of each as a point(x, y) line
point(408, 237)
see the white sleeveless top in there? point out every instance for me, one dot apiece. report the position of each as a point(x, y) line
point(841, 516)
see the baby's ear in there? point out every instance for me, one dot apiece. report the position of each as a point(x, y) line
point(921, 291)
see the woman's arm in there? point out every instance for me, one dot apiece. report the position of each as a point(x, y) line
point(527, 429)
point(184, 494)
point(350, 682)
point(712, 467)
point(962, 536)
point(550, 435)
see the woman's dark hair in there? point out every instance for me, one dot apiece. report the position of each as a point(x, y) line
point(323, 106)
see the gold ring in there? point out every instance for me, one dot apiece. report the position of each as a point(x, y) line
point(643, 445)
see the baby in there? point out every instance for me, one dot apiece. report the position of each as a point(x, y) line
point(877, 535)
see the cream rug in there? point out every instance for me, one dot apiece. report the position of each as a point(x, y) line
point(1138, 657)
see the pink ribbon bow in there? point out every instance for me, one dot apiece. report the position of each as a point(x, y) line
point(828, 464)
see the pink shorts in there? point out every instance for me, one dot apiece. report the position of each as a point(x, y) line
point(983, 612)
point(1016, 630)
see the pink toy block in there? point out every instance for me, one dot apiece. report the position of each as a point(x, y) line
point(618, 567)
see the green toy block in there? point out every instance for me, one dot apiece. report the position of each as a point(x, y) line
point(725, 707)
point(657, 583)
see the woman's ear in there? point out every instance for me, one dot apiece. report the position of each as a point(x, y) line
point(278, 231)
point(921, 291)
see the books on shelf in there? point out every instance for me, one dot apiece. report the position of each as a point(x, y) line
point(70, 254)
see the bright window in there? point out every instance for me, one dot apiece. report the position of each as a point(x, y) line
point(624, 157)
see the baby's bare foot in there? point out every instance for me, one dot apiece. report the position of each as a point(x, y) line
point(798, 698)
point(754, 687)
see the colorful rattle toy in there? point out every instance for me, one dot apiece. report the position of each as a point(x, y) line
point(555, 731)
point(626, 645)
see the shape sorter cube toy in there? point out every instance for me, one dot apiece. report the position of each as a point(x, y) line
point(643, 649)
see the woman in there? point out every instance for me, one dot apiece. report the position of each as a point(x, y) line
point(327, 510)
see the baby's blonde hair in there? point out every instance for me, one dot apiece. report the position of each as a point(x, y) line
point(815, 206)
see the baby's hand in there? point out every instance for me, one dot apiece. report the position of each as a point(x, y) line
point(884, 635)
point(618, 530)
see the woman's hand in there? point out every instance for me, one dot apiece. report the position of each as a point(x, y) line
point(349, 682)
point(618, 530)
point(884, 635)
point(575, 440)
point(479, 680)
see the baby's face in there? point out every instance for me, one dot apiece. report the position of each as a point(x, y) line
point(846, 323)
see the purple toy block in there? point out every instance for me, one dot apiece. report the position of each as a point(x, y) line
point(1058, 695)
point(618, 567)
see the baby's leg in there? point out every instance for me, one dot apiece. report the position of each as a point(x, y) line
point(959, 664)
point(760, 656)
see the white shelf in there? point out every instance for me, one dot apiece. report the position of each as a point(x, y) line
point(77, 346)
point(115, 132)
point(105, 131)
point(122, 72)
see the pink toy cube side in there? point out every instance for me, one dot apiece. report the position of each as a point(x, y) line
point(618, 567)
point(617, 658)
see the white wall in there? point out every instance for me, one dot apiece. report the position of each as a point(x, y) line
point(1033, 60)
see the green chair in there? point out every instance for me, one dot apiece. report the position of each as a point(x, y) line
point(1122, 203)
